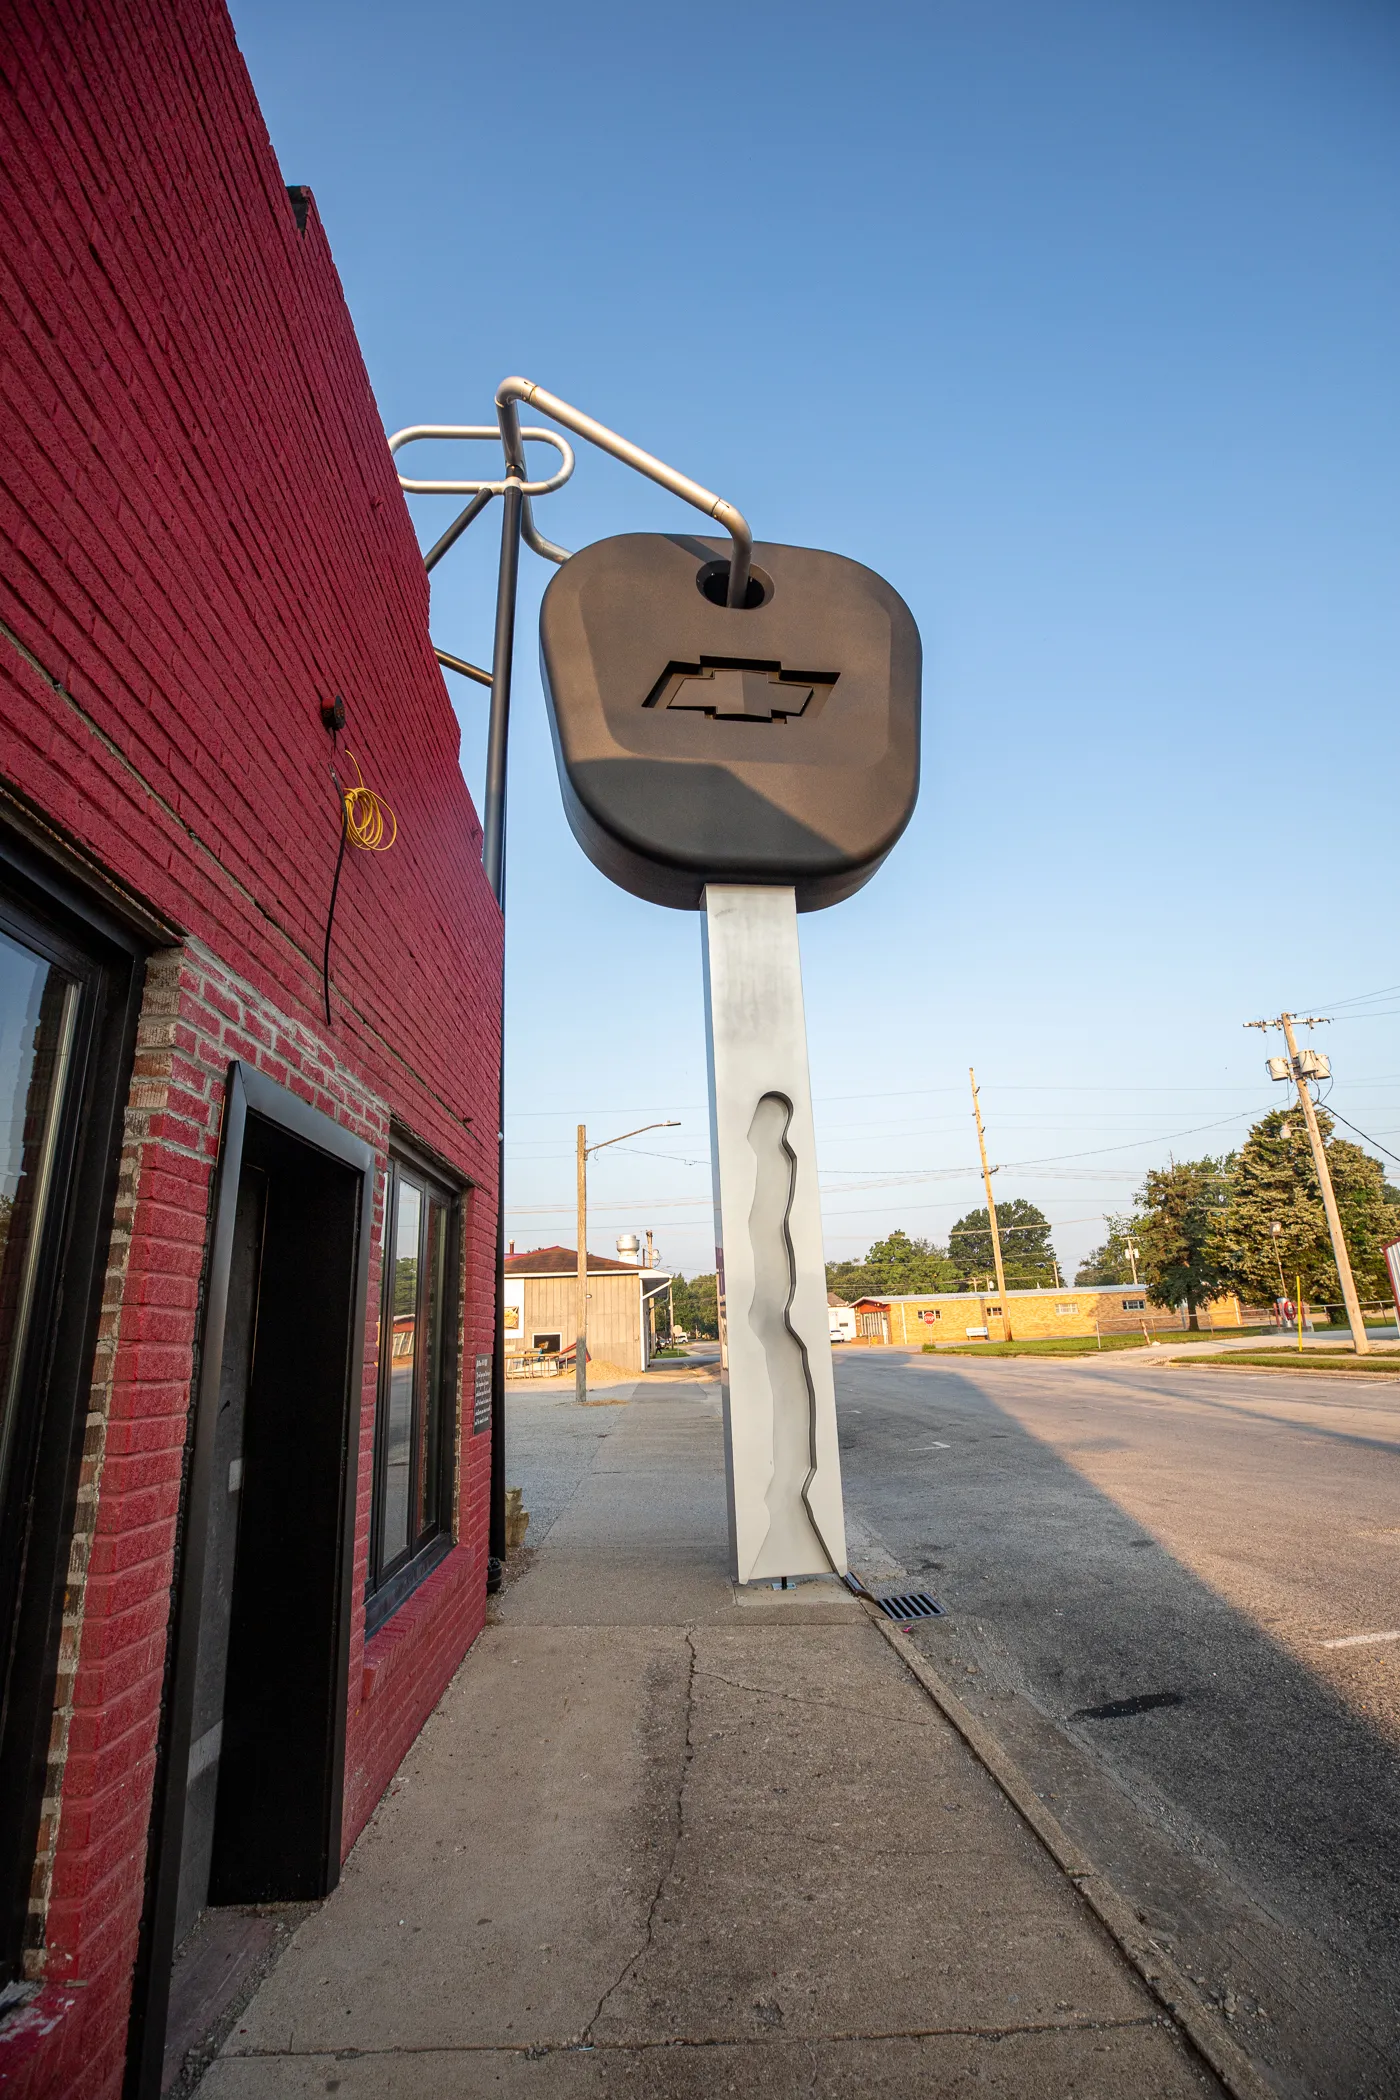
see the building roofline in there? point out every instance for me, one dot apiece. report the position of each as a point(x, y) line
point(1065, 1290)
point(563, 1261)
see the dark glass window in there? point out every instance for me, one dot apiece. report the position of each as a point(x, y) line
point(68, 991)
point(414, 1440)
point(38, 1017)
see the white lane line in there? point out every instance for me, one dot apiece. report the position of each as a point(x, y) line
point(935, 1446)
point(1360, 1640)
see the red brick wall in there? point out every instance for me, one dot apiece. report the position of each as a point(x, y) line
point(201, 537)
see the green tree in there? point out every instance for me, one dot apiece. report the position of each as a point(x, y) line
point(1111, 1262)
point(697, 1304)
point(1273, 1181)
point(1179, 1230)
point(1026, 1253)
point(891, 1267)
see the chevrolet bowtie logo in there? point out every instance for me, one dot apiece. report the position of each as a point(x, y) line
point(738, 692)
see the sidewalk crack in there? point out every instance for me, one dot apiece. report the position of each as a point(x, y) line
point(830, 1706)
point(668, 1866)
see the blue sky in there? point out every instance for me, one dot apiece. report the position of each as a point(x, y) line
point(1081, 323)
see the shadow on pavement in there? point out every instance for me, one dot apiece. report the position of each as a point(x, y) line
point(1252, 1813)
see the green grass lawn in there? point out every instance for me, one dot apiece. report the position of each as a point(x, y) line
point(1085, 1344)
point(1170, 1336)
point(1072, 1345)
point(1324, 1362)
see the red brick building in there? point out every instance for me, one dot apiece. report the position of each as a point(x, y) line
point(242, 1547)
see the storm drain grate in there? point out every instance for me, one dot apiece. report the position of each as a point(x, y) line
point(908, 1606)
point(914, 1604)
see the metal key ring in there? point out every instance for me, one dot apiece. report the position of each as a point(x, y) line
point(415, 431)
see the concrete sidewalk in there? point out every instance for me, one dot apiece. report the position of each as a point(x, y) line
point(660, 1839)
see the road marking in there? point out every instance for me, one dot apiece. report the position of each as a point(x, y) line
point(1360, 1640)
point(935, 1446)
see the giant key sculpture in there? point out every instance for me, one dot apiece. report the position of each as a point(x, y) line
point(737, 733)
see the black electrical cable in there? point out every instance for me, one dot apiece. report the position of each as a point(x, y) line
point(1337, 1118)
point(330, 915)
point(365, 822)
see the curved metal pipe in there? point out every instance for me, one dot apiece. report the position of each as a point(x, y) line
point(417, 431)
point(735, 524)
point(535, 539)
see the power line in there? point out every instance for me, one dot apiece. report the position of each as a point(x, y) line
point(1013, 1166)
point(1338, 1117)
point(894, 1096)
point(1386, 991)
point(1096, 1151)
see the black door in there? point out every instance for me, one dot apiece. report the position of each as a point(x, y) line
point(253, 1760)
point(221, 1550)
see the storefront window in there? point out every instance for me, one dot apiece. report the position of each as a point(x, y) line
point(68, 994)
point(414, 1443)
point(38, 1012)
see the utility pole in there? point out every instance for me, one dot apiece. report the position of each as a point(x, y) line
point(651, 1302)
point(581, 1335)
point(991, 1206)
point(1299, 1072)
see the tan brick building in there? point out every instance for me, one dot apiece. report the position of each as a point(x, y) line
point(915, 1318)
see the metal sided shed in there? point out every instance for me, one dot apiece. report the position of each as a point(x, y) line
point(541, 1308)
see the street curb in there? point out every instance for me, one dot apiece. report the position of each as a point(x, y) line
point(1198, 2021)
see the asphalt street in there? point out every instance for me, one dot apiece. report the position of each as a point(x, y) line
point(1146, 1574)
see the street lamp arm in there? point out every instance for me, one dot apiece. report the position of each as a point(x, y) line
point(602, 1143)
point(581, 1330)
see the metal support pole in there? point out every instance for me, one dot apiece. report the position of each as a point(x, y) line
point(463, 669)
point(455, 530)
point(782, 1466)
point(493, 850)
point(651, 1302)
point(581, 1323)
point(494, 861)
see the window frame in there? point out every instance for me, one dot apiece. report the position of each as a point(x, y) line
point(51, 903)
point(388, 1585)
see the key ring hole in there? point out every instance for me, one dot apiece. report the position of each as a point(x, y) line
point(712, 582)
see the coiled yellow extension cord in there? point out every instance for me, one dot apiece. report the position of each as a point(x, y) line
point(364, 821)
point(365, 813)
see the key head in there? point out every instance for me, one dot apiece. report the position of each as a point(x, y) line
point(698, 742)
